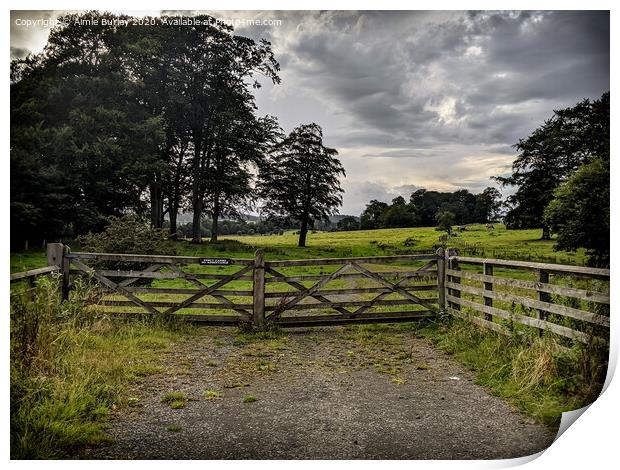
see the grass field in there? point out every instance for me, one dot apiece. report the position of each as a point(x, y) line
point(498, 243)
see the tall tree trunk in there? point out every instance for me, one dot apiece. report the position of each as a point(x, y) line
point(303, 231)
point(216, 217)
point(157, 205)
point(546, 233)
point(196, 233)
point(214, 228)
point(197, 202)
point(173, 211)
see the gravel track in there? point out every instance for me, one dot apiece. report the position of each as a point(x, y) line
point(329, 393)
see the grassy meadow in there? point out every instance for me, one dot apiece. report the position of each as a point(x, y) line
point(476, 241)
point(497, 243)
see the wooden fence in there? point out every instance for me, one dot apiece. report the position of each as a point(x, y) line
point(522, 294)
point(569, 301)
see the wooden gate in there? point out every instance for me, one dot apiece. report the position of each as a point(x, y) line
point(343, 290)
point(291, 292)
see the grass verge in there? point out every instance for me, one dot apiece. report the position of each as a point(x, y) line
point(70, 370)
point(539, 377)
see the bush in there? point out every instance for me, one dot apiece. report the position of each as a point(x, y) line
point(410, 241)
point(128, 234)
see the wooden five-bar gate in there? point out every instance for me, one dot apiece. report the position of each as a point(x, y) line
point(213, 290)
point(505, 296)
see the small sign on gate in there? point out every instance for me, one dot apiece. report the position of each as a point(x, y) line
point(214, 261)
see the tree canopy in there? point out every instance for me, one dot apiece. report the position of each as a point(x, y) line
point(300, 179)
point(423, 207)
point(579, 212)
point(570, 138)
point(113, 119)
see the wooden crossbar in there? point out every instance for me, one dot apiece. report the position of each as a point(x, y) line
point(301, 287)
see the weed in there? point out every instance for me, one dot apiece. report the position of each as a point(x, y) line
point(541, 378)
point(265, 366)
point(175, 400)
point(68, 370)
point(249, 399)
point(133, 401)
point(213, 395)
point(387, 370)
point(173, 396)
point(174, 428)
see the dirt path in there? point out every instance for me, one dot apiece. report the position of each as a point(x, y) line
point(333, 393)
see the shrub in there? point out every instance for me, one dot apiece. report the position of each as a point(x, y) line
point(410, 241)
point(128, 234)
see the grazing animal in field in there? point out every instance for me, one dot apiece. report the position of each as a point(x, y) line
point(461, 228)
point(489, 227)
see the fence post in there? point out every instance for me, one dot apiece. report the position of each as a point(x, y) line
point(543, 276)
point(487, 269)
point(259, 287)
point(56, 257)
point(454, 265)
point(441, 278)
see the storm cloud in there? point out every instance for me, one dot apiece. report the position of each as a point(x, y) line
point(421, 99)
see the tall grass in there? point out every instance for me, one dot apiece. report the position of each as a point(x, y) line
point(69, 369)
point(538, 375)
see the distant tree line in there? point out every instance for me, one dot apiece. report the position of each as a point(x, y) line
point(424, 206)
point(155, 120)
point(231, 227)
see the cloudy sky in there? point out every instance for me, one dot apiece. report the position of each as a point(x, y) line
point(416, 99)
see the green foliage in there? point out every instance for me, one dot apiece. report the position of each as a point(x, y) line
point(348, 223)
point(107, 114)
point(399, 214)
point(571, 137)
point(82, 146)
point(445, 220)
point(128, 234)
point(579, 212)
point(300, 180)
point(213, 395)
point(424, 205)
point(175, 400)
point(69, 370)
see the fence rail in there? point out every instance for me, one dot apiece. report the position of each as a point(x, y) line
point(501, 295)
point(33, 273)
point(565, 315)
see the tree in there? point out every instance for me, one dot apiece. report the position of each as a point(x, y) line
point(348, 223)
point(241, 143)
point(373, 215)
point(445, 221)
point(300, 179)
point(461, 203)
point(570, 138)
point(579, 212)
point(94, 145)
point(488, 205)
point(399, 214)
point(425, 204)
point(213, 68)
